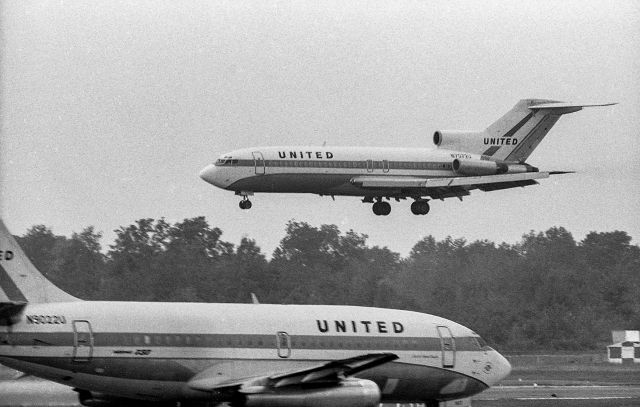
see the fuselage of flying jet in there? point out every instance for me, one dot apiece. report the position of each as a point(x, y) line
point(461, 161)
point(325, 170)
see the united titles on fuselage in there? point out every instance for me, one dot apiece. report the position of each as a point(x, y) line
point(382, 327)
point(306, 154)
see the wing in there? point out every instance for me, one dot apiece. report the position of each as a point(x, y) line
point(327, 373)
point(447, 187)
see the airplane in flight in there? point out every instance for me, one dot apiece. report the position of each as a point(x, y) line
point(488, 160)
point(248, 355)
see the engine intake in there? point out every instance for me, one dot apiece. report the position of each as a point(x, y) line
point(349, 393)
point(456, 140)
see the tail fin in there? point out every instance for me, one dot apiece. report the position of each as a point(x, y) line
point(515, 135)
point(20, 281)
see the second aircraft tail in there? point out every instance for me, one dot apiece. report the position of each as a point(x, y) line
point(20, 281)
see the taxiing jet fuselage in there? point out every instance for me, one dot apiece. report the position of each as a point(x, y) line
point(249, 355)
point(488, 160)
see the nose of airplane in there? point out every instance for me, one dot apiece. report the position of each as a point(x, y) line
point(208, 174)
point(501, 367)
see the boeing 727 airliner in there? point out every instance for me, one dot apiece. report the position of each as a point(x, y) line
point(488, 160)
point(248, 355)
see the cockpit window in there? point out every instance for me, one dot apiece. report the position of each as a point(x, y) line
point(226, 161)
point(481, 342)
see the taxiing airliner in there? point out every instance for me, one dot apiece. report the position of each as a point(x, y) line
point(488, 160)
point(248, 355)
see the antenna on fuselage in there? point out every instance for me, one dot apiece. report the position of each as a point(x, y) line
point(254, 299)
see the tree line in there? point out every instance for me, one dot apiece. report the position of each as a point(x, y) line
point(547, 291)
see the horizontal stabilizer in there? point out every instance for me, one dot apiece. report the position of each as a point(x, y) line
point(565, 105)
point(10, 312)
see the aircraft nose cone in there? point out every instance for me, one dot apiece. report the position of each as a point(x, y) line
point(208, 174)
point(501, 367)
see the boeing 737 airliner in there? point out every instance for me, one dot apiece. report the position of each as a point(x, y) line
point(249, 355)
point(487, 160)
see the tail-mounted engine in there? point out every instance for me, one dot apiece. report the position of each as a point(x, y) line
point(458, 140)
point(486, 167)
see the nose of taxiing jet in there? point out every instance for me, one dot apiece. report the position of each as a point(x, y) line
point(208, 174)
point(500, 366)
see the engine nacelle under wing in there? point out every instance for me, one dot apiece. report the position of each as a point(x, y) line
point(487, 167)
point(348, 393)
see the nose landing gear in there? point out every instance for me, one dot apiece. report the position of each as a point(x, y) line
point(420, 207)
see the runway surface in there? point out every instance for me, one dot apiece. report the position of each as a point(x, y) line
point(29, 392)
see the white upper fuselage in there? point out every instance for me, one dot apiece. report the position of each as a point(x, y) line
point(325, 170)
point(151, 350)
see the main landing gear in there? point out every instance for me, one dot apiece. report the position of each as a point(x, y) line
point(420, 207)
point(245, 203)
point(381, 208)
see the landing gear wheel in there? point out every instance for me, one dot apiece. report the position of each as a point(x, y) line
point(420, 207)
point(245, 204)
point(381, 208)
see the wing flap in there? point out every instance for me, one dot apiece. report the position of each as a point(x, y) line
point(388, 182)
point(444, 182)
point(483, 179)
point(333, 371)
point(330, 372)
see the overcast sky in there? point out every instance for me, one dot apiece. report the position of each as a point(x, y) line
point(109, 109)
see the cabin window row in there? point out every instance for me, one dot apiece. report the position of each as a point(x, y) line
point(223, 341)
point(376, 165)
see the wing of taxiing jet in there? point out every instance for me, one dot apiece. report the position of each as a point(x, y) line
point(329, 373)
point(446, 187)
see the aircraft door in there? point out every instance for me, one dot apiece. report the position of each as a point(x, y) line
point(283, 342)
point(448, 346)
point(258, 161)
point(82, 341)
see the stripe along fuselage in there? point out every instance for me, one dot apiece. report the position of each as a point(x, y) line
point(151, 350)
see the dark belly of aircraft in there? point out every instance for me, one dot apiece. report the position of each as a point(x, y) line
point(324, 184)
point(402, 382)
